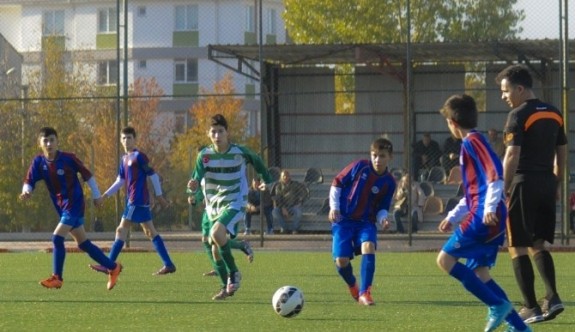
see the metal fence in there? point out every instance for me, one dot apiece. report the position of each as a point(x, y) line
point(90, 68)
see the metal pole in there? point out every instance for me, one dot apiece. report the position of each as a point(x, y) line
point(118, 102)
point(263, 110)
point(564, 30)
point(410, 123)
point(125, 63)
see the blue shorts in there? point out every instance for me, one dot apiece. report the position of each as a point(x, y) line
point(477, 254)
point(348, 235)
point(73, 222)
point(137, 214)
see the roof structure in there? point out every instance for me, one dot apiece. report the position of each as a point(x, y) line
point(529, 51)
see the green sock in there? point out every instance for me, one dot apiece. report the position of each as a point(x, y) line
point(208, 250)
point(220, 268)
point(226, 253)
point(236, 244)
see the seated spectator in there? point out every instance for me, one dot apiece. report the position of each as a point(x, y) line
point(402, 206)
point(255, 199)
point(288, 196)
point(450, 157)
point(496, 142)
point(426, 155)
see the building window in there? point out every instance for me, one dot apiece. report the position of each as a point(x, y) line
point(108, 72)
point(186, 18)
point(141, 11)
point(186, 71)
point(142, 64)
point(250, 19)
point(53, 23)
point(272, 21)
point(107, 20)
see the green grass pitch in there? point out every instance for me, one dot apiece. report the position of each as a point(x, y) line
point(410, 292)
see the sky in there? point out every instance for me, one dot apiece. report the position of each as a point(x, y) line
point(542, 18)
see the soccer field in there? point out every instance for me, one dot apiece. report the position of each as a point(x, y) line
point(410, 292)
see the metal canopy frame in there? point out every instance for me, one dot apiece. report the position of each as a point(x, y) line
point(525, 51)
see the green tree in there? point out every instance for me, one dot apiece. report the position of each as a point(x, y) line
point(385, 21)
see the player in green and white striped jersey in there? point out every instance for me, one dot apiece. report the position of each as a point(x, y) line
point(222, 166)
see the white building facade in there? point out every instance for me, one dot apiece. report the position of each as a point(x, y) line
point(166, 40)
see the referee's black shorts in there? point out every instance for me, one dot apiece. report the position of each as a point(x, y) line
point(532, 205)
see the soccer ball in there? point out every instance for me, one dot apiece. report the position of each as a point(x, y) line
point(288, 301)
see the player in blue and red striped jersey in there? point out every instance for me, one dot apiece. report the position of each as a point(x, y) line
point(59, 170)
point(360, 196)
point(481, 214)
point(133, 173)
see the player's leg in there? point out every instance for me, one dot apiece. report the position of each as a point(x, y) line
point(447, 260)
point(114, 269)
point(545, 232)
point(481, 266)
point(520, 226)
point(342, 252)
point(158, 242)
point(367, 236)
point(224, 225)
point(58, 255)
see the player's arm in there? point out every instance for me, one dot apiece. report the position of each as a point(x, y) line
point(493, 196)
point(510, 163)
point(114, 187)
point(198, 173)
point(26, 192)
point(334, 195)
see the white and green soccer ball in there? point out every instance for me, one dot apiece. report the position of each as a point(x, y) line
point(288, 301)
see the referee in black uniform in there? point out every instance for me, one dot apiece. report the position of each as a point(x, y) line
point(533, 167)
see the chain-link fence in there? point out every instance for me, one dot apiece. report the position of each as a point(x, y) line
point(89, 69)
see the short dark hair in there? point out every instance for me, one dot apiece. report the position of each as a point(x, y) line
point(516, 75)
point(219, 120)
point(47, 131)
point(382, 144)
point(129, 131)
point(462, 110)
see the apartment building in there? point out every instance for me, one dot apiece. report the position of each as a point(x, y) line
point(166, 40)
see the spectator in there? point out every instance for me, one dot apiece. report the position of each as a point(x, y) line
point(288, 196)
point(450, 157)
point(426, 155)
point(402, 206)
point(572, 213)
point(496, 142)
point(256, 198)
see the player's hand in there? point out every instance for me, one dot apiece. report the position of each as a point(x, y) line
point(444, 226)
point(490, 219)
point(99, 201)
point(193, 185)
point(385, 225)
point(25, 196)
point(334, 216)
